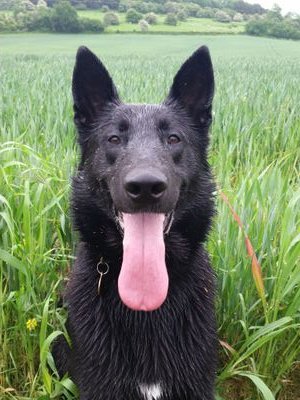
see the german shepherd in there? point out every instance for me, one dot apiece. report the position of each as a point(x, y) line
point(140, 297)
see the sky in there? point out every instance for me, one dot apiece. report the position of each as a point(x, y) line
point(286, 5)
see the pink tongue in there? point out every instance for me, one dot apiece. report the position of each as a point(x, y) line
point(143, 281)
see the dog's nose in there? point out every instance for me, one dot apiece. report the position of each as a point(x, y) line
point(143, 186)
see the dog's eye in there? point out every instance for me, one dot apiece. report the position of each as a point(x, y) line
point(114, 139)
point(173, 139)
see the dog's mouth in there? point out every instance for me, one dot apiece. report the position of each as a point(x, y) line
point(168, 221)
point(143, 281)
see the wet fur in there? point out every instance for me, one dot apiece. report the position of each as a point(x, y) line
point(115, 349)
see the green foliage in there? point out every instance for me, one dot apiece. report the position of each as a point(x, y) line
point(7, 23)
point(172, 7)
point(274, 25)
point(171, 20)
point(238, 17)
point(244, 7)
point(80, 6)
point(111, 18)
point(105, 9)
point(191, 9)
point(144, 26)
point(41, 4)
point(91, 25)
point(222, 16)
point(206, 13)
point(181, 15)
point(40, 20)
point(7, 5)
point(64, 18)
point(133, 16)
point(151, 18)
point(22, 6)
point(255, 157)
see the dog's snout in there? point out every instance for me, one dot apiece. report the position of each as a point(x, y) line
point(145, 186)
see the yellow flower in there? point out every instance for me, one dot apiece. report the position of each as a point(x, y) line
point(31, 324)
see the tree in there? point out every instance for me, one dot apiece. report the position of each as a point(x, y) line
point(238, 17)
point(181, 15)
point(7, 23)
point(133, 16)
point(64, 18)
point(222, 16)
point(171, 19)
point(144, 25)
point(151, 18)
point(191, 9)
point(91, 25)
point(23, 6)
point(110, 18)
point(41, 4)
point(206, 12)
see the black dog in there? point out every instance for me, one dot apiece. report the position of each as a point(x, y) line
point(141, 295)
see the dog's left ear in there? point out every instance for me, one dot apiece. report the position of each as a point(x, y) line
point(193, 87)
point(92, 87)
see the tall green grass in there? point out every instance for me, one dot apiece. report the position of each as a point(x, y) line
point(255, 156)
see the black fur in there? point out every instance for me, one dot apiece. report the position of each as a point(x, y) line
point(115, 349)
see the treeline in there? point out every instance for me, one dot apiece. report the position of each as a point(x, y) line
point(273, 24)
point(144, 6)
point(62, 17)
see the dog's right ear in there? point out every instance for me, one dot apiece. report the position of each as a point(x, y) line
point(92, 87)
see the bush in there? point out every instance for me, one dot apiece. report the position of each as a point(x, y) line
point(151, 18)
point(111, 18)
point(23, 6)
point(41, 4)
point(191, 9)
point(133, 16)
point(171, 20)
point(238, 17)
point(91, 25)
point(94, 4)
point(285, 28)
point(142, 7)
point(181, 15)
point(144, 25)
point(222, 16)
point(122, 7)
point(172, 7)
point(105, 9)
point(7, 5)
point(206, 12)
point(7, 23)
point(40, 20)
point(64, 18)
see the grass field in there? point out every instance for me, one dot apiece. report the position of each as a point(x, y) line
point(255, 156)
point(191, 25)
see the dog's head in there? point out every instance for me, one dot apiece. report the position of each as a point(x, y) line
point(144, 160)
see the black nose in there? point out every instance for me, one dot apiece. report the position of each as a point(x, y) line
point(145, 186)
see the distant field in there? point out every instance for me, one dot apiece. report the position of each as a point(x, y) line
point(192, 25)
point(227, 47)
point(255, 158)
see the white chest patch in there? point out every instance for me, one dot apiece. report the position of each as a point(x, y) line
point(151, 392)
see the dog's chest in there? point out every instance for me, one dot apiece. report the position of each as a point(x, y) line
point(151, 392)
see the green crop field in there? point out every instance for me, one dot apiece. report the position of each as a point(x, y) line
point(255, 156)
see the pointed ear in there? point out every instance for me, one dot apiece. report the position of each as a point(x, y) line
point(92, 87)
point(193, 87)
